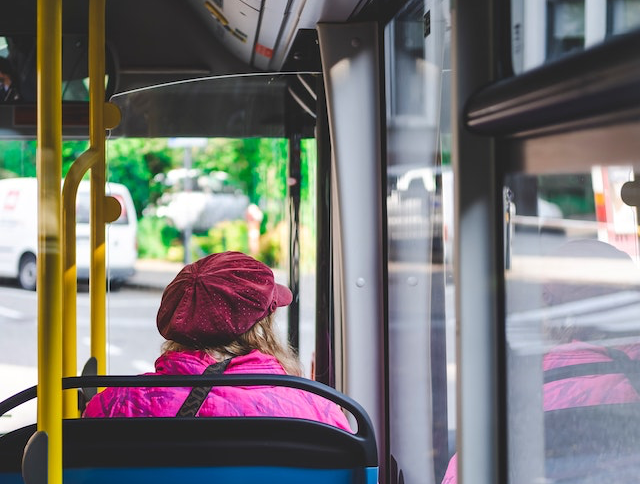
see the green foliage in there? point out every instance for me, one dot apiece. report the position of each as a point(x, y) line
point(273, 246)
point(175, 253)
point(229, 235)
point(308, 162)
point(155, 236)
point(135, 162)
point(18, 158)
point(307, 248)
point(71, 150)
point(257, 166)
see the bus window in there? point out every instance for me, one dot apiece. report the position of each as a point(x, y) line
point(219, 191)
point(565, 28)
point(254, 171)
point(572, 297)
point(544, 31)
point(418, 218)
point(622, 16)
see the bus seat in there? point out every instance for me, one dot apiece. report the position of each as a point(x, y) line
point(163, 450)
point(598, 443)
point(177, 450)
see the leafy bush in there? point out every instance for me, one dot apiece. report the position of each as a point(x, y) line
point(228, 235)
point(155, 237)
point(273, 246)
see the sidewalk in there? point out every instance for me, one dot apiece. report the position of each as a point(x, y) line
point(156, 274)
point(153, 273)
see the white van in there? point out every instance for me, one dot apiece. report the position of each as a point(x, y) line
point(19, 232)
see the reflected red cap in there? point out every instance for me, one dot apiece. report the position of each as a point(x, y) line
point(218, 298)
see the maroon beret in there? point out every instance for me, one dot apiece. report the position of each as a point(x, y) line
point(218, 298)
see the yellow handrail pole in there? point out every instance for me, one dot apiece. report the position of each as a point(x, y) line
point(97, 135)
point(70, 277)
point(49, 169)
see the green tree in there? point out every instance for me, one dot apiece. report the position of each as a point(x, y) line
point(253, 164)
point(71, 150)
point(135, 162)
point(257, 166)
point(18, 158)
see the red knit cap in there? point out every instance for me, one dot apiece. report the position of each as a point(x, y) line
point(218, 298)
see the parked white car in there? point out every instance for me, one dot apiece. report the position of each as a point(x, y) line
point(19, 229)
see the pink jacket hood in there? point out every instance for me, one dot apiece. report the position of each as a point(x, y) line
point(221, 401)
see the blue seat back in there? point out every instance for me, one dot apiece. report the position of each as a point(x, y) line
point(237, 449)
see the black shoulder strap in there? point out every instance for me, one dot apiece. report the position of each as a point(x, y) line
point(620, 363)
point(198, 395)
point(630, 367)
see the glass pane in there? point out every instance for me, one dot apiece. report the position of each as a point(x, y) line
point(542, 31)
point(419, 223)
point(565, 28)
point(622, 16)
point(191, 182)
point(573, 295)
point(18, 69)
point(216, 162)
point(307, 232)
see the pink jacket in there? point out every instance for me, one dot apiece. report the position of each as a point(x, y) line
point(581, 391)
point(586, 390)
point(221, 401)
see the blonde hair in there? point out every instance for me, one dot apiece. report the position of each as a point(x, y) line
point(261, 336)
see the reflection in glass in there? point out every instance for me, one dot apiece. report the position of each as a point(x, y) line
point(543, 31)
point(573, 335)
point(419, 188)
point(622, 16)
point(18, 69)
point(566, 28)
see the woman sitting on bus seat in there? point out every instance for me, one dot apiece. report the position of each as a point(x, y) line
point(221, 309)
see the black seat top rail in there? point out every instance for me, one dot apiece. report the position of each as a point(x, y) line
point(363, 438)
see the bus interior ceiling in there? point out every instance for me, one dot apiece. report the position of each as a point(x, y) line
point(151, 42)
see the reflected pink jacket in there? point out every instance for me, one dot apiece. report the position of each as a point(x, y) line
point(579, 391)
point(221, 401)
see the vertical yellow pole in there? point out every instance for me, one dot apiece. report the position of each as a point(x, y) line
point(97, 282)
point(70, 286)
point(69, 298)
point(69, 291)
point(70, 278)
point(49, 169)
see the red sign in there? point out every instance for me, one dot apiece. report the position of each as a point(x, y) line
point(264, 51)
point(11, 199)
